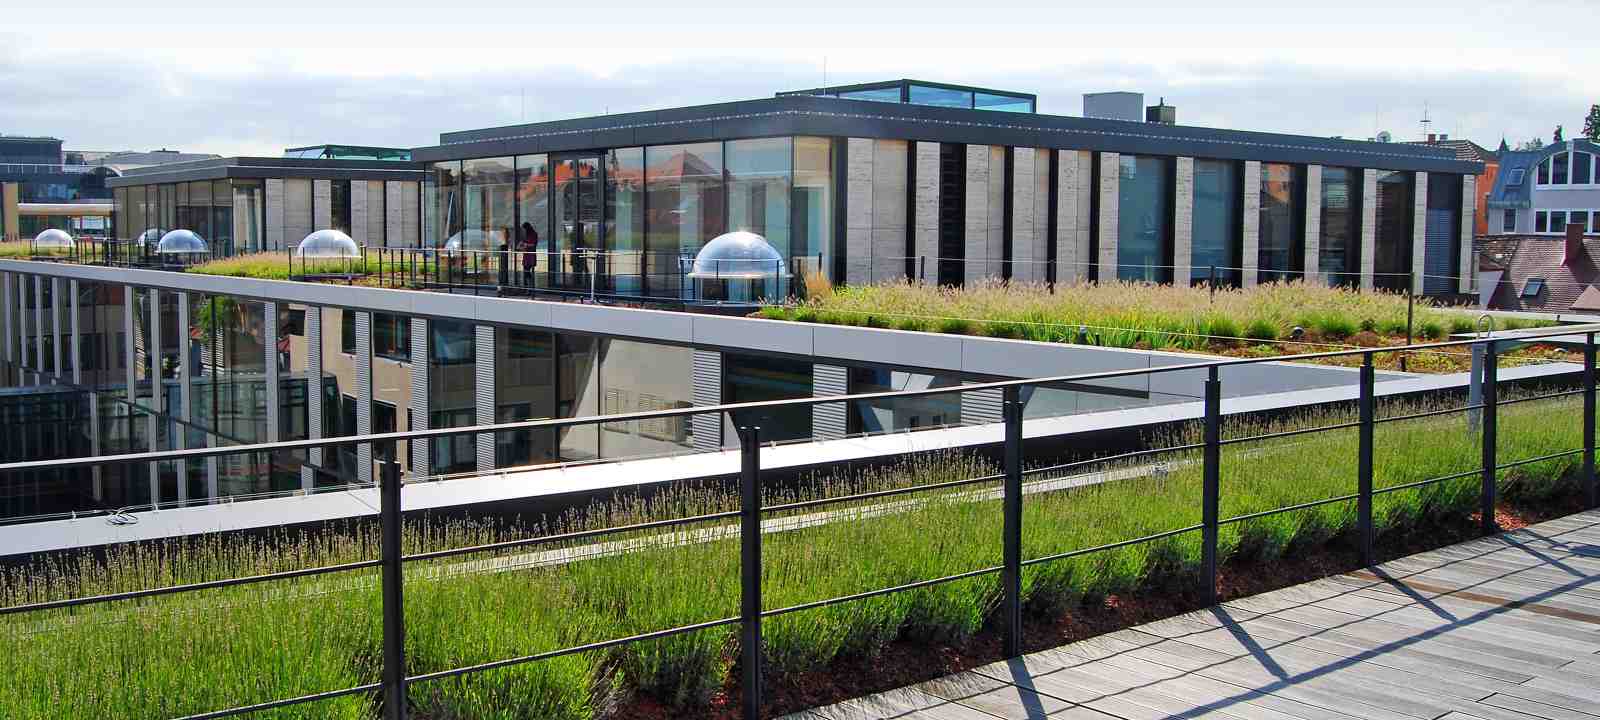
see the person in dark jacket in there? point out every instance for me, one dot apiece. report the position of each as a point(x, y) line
point(530, 252)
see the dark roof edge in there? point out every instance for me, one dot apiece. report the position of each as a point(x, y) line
point(806, 115)
point(268, 167)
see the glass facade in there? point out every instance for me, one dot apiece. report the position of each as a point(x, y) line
point(684, 193)
point(1215, 225)
point(1394, 217)
point(1144, 219)
point(1339, 251)
point(646, 210)
point(753, 378)
point(924, 412)
point(1282, 248)
point(452, 350)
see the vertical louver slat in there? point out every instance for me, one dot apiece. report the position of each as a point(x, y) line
point(707, 390)
point(830, 421)
point(484, 391)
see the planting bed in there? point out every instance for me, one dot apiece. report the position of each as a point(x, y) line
point(197, 652)
point(1251, 322)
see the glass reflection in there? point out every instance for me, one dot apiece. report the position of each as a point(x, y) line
point(1216, 228)
point(1144, 219)
point(1280, 257)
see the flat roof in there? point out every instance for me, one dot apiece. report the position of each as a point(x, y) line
point(837, 117)
point(267, 167)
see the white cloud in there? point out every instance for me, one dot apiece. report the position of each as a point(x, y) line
point(204, 77)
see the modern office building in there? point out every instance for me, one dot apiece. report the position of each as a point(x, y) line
point(905, 179)
point(43, 186)
point(884, 182)
point(249, 204)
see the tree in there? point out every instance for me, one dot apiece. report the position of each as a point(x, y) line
point(1530, 144)
point(1591, 124)
point(1557, 137)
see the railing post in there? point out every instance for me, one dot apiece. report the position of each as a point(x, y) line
point(750, 566)
point(1368, 412)
point(1591, 485)
point(1011, 527)
point(394, 629)
point(1491, 402)
point(1211, 490)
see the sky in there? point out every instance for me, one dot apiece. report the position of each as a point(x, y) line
point(255, 78)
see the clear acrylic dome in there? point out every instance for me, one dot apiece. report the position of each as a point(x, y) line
point(150, 236)
point(53, 239)
point(738, 255)
point(328, 245)
point(474, 239)
point(181, 242)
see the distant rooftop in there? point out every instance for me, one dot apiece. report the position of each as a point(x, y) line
point(348, 152)
point(923, 92)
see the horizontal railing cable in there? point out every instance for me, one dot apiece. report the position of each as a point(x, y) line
point(286, 702)
point(882, 591)
point(568, 537)
point(588, 647)
point(1112, 545)
point(191, 587)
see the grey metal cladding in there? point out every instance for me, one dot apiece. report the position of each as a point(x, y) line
point(801, 115)
point(706, 389)
point(830, 421)
point(484, 394)
point(981, 407)
point(364, 394)
point(420, 415)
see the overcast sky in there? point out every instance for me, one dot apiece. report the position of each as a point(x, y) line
point(256, 77)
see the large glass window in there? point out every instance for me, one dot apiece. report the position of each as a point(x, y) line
point(1394, 218)
point(895, 414)
point(1282, 241)
point(1144, 219)
point(1216, 225)
point(1002, 103)
point(221, 237)
point(625, 220)
point(889, 94)
point(941, 97)
point(812, 206)
point(1582, 168)
point(753, 378)
point(758, 173)
point(525, 389)
point(684, 189)
point(1558, 169)
point(533, 209)
point(1339, 251)
point(640, 377)
point(441, 203)
point(247, 211)
point(487, 192)
point(451, 393)
point(339, 205)
point(1441, 259)
point(578, 394)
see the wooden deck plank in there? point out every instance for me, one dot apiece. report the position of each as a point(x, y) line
point(1497, 628)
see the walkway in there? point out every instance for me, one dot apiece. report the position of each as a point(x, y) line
point(1501, 628)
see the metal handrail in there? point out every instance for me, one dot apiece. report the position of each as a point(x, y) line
point(559, 423)
point(396, 680)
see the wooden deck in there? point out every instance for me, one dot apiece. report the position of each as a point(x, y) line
point(1501, 628)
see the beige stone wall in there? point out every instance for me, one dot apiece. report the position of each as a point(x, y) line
point(1313, 224)
point(977, 215)
point(1025, 265)
point(1183, 221)
point(1369, 226)
point(1110, 195)
point(890, 160)
point(1465, 266)
point(927, 211)
point(1419, 231)
point(1250, 253)
point(859, 157)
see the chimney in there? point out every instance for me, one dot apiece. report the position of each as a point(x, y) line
point(1432, 138)
point(1443, 137)
point(1574, 247)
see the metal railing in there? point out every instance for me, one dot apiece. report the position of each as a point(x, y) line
point(395, 680)
point(594, 274)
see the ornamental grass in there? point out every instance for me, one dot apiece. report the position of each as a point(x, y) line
point(196, 652)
